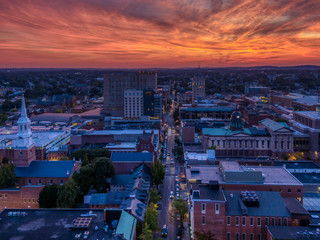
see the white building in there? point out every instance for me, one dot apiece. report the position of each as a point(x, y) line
point(133, 103)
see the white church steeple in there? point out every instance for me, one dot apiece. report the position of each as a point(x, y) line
point(24, 136)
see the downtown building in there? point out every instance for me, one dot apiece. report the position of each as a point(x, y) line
point(115, 86)
point(198, 88)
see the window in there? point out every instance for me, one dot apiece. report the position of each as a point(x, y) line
point(251, 236)
point(257, 143)
point(243, 221)
point(289, 190)
point(228, 220)
point(279, 222)
point(39, 181)
point(272, 221)
point(24, 200)
point(285, 222)
point(5, 195)
point(203, 208)
point(299, 190)
point(0, 195)
point(259, 221)
point(228, 236)
point(267, 221)
point(251, 221)
point(217, 208)
point(29, 182)
point(61, 182)
point(237, 236)
point(259, 236)
point(203, 220)
point(243, 236)
point(237, 221)
point(51, 182)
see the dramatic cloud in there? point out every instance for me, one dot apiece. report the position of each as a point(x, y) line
point(158, 33)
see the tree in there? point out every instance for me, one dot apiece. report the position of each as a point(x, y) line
point(146, 233)
point(103, 169)
point(3, 118)
point(154, 197)
point(151, 217)
point(7, 176)
point(90, 154)
point(180, 207)
point(158, 173)
point(5, 160)
point(204, 235)
point(178, 151)
point(48, 197)
point(68, 194)
point(85, 178)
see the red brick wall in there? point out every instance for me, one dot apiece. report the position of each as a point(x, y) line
point(215, 223)
point(25, 197)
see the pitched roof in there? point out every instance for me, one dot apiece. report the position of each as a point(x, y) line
point(131, 157)
point(46, 169)
point(294, 206)
point(112, 197)
point(126, 225)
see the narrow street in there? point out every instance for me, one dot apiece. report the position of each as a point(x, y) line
point(168, 185)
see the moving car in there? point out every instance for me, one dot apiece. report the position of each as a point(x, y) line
point(164, 231)
point(171, 194)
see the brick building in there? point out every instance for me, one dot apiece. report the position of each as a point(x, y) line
point(230, 175)
point(235, 215)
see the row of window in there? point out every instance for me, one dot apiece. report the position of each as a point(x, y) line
point(273, 222)
point(241, 143)
point(203, 208)
point(30, 200)
point(248, 144)
point(40, 182)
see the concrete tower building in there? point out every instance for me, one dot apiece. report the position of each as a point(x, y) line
point(198, 88)
point(115, 86)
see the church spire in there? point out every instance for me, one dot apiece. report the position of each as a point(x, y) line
point(24, 136)
point(23, 108)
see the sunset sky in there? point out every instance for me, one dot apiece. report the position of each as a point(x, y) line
point(158, 33)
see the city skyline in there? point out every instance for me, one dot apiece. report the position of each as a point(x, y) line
point(146, 34)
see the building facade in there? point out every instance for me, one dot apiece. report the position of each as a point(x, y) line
point(198, 88)
point(133, 103)
point(116, 84)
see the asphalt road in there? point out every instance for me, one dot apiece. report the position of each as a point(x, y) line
point(165, 216)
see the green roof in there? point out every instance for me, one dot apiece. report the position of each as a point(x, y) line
point(127, 225)
point(224, 131)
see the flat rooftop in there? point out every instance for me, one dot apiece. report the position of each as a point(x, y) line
point(59, 224)
point(277, 176)
point(122, 132)
point(203, 173)
point(297, 164)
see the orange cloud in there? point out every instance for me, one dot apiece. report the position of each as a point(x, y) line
point(158, 33)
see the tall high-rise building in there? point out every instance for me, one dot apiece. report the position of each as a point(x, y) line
point(116, 84)
point(133, 103)
point(198, 88)
point(152, 104)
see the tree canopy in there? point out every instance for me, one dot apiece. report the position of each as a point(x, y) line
point(151, 217)
point(85, 178)
point(48, 197)
point(158, 173)
point(180, 206)
point(7, 176)
point(103, 169)
point(68, 194)
point(88, 156)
